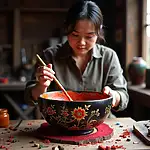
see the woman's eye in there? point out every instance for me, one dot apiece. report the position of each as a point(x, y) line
point(88, 37)
point(75, 35)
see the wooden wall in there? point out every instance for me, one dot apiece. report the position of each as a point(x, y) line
point(30, 24)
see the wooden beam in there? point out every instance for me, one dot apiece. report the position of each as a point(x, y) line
point(16, 39)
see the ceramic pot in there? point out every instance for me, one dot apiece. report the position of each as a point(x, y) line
point(137, 71)
point(80, 116)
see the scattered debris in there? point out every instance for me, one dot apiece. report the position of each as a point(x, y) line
point(29, 123)
point(55, 148)
point(101, 147)
point(113, 147)
point(2, 147)
point(135, 142)
point(12, 128)
point(125, 134)
point(117, 123)
point(47, 141)
point(118, 139)
point(128, 140)
point(36, 145)
point(31, 142)
point(39, 146)
point(58, 148)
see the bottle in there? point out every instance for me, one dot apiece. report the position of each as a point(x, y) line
point(4, 118)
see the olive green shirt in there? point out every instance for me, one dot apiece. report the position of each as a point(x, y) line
point(102, 70)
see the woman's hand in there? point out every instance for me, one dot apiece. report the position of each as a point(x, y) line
point(44, 75)
point(116, 97)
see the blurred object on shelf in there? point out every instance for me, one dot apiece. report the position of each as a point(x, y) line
point(137, 71)
point(4, 80)
point(24, 71)
point(5, 61)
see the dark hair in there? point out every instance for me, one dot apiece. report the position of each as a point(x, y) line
point(85, 10)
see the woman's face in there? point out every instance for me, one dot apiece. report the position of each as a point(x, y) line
point(83, 38)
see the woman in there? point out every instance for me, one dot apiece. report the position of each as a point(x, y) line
point(80, 63)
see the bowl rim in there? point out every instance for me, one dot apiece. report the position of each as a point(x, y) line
point(79, 101)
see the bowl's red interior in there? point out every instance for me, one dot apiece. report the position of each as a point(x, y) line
point(76, 96)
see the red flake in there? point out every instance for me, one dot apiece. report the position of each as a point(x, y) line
point(2, 147)
point(11, 136)
point(118, 139)
point(47, 141)
point(101, 147)
point(83, 144)
point(29, 123)
point(108, 148)
point(114, 147)
point(125, 134)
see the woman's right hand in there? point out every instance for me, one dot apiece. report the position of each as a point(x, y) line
point(44, 75)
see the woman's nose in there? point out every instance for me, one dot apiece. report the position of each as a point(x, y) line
point(82, 41)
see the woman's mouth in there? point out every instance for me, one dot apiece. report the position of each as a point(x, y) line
point(81, 48)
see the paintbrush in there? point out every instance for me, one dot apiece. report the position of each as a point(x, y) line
point(55, 79)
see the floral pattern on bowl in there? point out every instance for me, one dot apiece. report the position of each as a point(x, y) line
point(75, 115)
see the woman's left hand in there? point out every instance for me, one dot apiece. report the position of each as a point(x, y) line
point(116, 97)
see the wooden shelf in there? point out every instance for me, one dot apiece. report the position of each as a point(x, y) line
point(36, 10)
point(139, 98)
point(43, 10)
point(6, 9)
point(22, 19)
point(9, 46)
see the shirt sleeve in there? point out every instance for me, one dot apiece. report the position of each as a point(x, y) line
point(30, 84)
point(116, 81)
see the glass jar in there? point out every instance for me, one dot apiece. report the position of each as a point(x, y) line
point(4, 118)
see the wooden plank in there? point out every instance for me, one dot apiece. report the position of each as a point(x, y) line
point(17, 39)
point(27, 127)
point(43, 10)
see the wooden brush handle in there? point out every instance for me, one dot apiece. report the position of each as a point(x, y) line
point(55, 79)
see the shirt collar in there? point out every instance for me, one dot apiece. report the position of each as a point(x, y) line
point(66, 51)
point(97, 51)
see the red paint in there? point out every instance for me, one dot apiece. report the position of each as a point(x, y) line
point(47, 132)
point(2, 147)
point(76, 96)
point(113, 147)
point(29, 123)
point(101, 147)
point(125, 134)
point(47, 141)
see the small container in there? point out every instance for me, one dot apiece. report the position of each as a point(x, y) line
point(4, 118)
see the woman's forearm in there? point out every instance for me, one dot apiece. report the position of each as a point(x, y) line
point(37, 90)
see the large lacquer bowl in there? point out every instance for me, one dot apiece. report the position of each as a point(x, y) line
point(80, 116)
